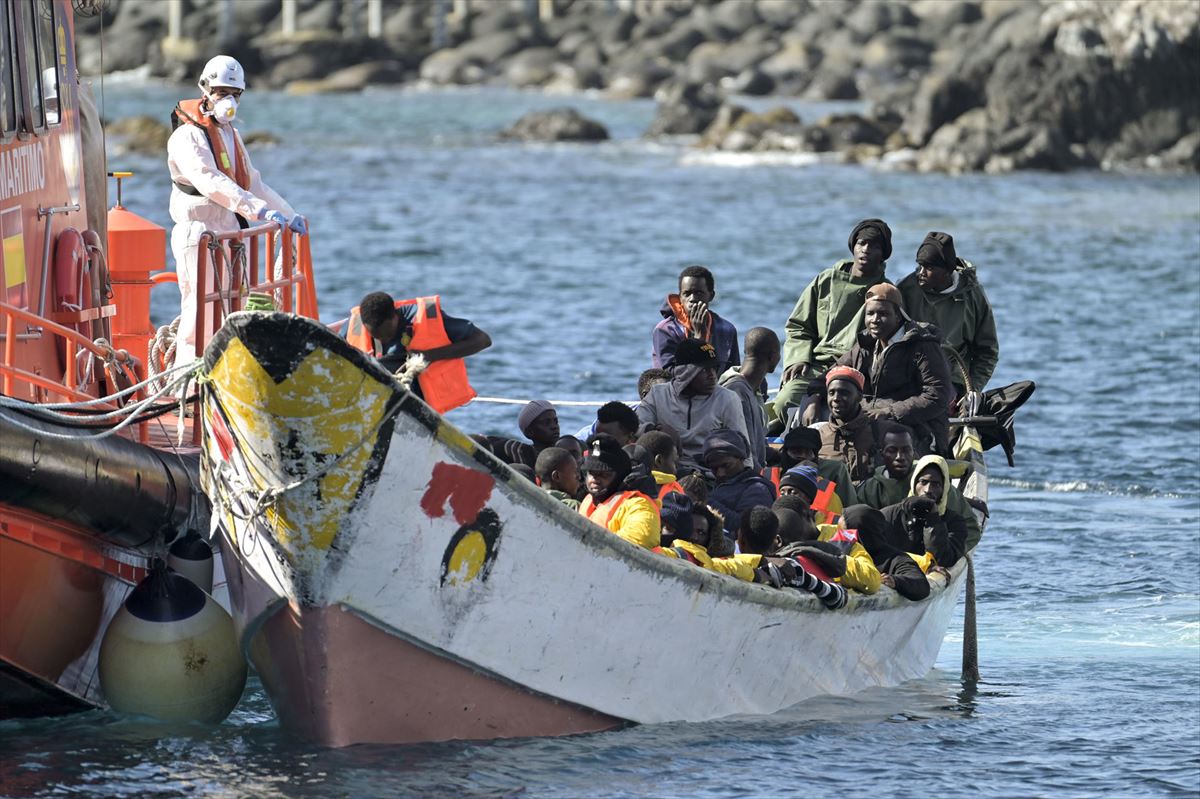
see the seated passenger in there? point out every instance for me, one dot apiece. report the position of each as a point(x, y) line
point(692, 403)
point(651, 378)
point(686, 315)
point(664, 455)
point(558, 474)
point(618, 420)
point(834, 548)
point(749, 382)
point(907, 376)
point(682, 515)
point(640, 477)
point(738, 488)
point(696, 487)
point(892, 481)
point(897, 567)
point(537, 421)
point(849, 435)
point(629, 514)
point(800, 445)
point(922, 524)
point(572, 445)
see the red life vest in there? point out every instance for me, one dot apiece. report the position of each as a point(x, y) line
point(443, 383)
point(775, 474)
point(236, 166)
point(827, 504)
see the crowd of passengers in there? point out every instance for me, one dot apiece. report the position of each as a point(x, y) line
point(842, 482)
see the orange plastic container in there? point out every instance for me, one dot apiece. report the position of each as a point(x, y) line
point(136, 247)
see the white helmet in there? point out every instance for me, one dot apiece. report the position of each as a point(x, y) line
point(222, 70)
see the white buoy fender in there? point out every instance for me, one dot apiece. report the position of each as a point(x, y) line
point(192, 557)
point(171, 652)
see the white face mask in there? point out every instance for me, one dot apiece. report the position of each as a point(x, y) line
point(225, 109)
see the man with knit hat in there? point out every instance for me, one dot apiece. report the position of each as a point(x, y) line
point(907, 378)
point(945, 291)
point(802, 444)
point(739, 488)
point(850, 435)
point(537, 421)
point(692, 404)
point(823, 323)
point(629, 514)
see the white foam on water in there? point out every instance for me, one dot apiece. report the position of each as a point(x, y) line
point(747, 160)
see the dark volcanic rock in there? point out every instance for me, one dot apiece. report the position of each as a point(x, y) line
point(561, 124)
point(685, 108)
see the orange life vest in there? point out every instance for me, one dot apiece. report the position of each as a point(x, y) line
point(775, 474)
point(588, 507)
point(443, 383)
point(236, 167)
point(827, 504)
point(669, 488)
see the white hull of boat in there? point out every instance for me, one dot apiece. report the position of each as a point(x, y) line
point(421, 549)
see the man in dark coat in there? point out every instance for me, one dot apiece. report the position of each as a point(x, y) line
point(907, 376)
point(739, 488)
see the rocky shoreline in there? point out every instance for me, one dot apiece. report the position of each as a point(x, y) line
point(950, 85)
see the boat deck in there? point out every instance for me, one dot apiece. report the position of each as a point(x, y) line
point(162, 434)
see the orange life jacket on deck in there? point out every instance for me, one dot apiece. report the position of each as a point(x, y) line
point(774, 474)
point(236, 166)
point(588, 507)
point(443, 383)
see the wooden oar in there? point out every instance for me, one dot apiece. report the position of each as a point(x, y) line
point(970, 652)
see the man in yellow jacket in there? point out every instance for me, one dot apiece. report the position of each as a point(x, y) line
point(629, 514)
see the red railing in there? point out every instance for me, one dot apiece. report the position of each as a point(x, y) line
point(234, 261)
point(74, 343)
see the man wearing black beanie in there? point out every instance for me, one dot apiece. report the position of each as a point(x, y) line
point(627, 513)
point(945, 291)
point(822, 326)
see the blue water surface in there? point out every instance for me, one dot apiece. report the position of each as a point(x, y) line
point(1089, 573)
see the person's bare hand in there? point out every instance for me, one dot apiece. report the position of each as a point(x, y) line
point(888, 580)
point(792, 372)
point(812, 414)
point(698, 315)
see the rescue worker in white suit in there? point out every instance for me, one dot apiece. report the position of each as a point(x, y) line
point(215, 187)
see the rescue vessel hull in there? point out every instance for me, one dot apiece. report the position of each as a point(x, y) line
point(392, 582)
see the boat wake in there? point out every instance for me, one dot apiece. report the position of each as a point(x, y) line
point(1087, 487)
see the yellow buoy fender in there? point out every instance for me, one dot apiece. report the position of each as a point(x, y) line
point(192, 557)
point(171, 652)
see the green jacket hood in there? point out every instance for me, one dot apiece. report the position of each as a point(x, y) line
point(940, 462)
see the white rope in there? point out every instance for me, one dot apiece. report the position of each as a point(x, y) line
point(134, 412)
point(161, 351)
point(50, 407)
point(564, 403)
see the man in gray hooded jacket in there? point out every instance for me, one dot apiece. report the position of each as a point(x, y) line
point(693, 404)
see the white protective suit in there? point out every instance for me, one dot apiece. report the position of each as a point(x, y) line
point(190, 161)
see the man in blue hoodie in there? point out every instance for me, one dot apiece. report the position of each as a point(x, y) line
point(739, 488)
point(687, 315)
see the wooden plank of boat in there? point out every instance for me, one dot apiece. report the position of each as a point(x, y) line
point(394, 583)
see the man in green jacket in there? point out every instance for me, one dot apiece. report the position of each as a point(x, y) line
point(823, 325)
point(892, 482)
point(944, 290)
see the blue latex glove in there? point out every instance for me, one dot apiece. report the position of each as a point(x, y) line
point(298, 225)
point(274, 216)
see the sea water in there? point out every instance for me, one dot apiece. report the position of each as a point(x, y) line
point(1089, 572)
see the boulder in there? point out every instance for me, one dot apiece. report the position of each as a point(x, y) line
point(407, 22)
point(897, 50)
point(140, 134)
point(491, 48)
point(753, 82)
point(845, 130)
point(780, 14)
point(727, 115)
point(448, 66)
point(963, 145)
point(941, 98)
point(260, 138)
point(560, 124)
point(685, 108)
point(873, 16)
point(1183, 155)
point(531, 67)
point(735, 17)
point(494, 18)
point(352, 79)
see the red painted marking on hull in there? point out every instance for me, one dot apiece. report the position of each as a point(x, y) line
point(338, 680)
point(467, 490)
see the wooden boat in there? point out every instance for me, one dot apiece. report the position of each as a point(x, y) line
point(392, 582)
point(80, 514)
